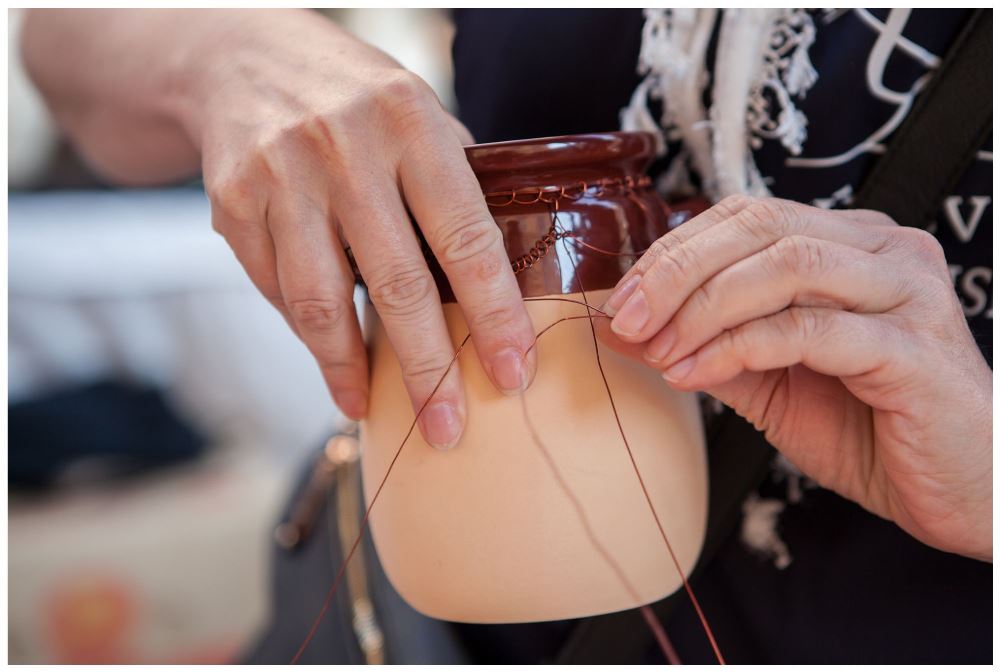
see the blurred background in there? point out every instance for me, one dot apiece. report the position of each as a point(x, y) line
point(159, 408)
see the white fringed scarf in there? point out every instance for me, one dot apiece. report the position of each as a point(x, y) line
point(761, 67)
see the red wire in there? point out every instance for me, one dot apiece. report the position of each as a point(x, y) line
point(657, 629)
point(368, 511)
point(638, 475)
point(654, 625)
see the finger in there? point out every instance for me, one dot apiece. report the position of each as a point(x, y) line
point(317, 288)
point(714, 215)
point(828, 341)
point(681, 269)
point(254, 249)
point(447, 201)
point(795, 271)
point(405, 296)
point(705, 220)
point(602, 327)
point(869, 217)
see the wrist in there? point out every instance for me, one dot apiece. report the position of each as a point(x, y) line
point(196, 73)
point(977, 492)
point(221, 52)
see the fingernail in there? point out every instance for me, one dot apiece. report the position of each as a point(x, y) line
point(622, 292)
point(440, 425)
point(509, 372)
point(353, 403)
point(660, 346)
point(633, 315)
point(680, 370)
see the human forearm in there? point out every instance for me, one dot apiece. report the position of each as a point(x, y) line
point(309, 141)
point(125, 84)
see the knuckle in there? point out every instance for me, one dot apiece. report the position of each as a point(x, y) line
point(493, 320)
point(218, 221)
point(701, 300)
point(402, 87)
point(470, 237)
point(422, 367)
point(661, 245)
point(877, 218)
point(734, 203)
point(319, 131)
point(745, 342)
point(231, 197)
point(403, 97)
point(673, 265)
point(800, 255)
point(267, 154)
point(800, 324)
point(666, 243)
point(404, 292)
point(761, 220)
point(320, 316)
point(879, 240)
point(338, 126)
point(656, 249)
point(736, 342)
point(329, 139)
point(925, 247)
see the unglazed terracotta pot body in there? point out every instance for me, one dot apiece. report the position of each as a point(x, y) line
point(483, 533)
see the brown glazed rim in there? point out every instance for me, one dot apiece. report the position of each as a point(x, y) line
point(629, 150)
point(525, 173)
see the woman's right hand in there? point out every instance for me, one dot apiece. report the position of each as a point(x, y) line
point(312, 141)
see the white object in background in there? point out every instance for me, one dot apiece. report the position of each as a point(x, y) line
point(135, 284)
point(173, 568)
point(419, 38)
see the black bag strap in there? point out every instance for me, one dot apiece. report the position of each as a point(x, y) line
point(937, 142)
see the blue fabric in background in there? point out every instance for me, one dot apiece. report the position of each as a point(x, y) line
point(98, 431)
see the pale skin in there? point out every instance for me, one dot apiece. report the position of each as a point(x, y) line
point(838, 334)
point(309, 141)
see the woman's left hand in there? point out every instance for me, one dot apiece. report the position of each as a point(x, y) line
point(838, 334)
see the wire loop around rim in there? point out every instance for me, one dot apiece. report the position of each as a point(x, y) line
point(551, 194)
